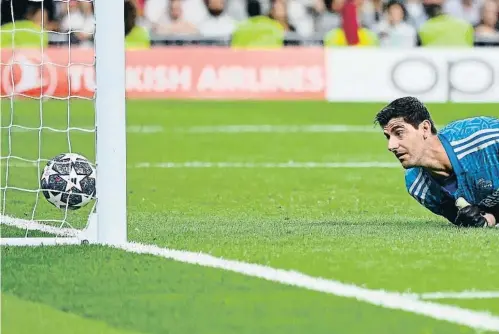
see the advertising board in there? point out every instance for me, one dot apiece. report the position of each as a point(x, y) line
point(177, 72)
point(433, 75)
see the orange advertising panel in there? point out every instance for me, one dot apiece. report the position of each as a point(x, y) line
point(173, 72)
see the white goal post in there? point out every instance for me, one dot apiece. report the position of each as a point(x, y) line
point(110, 121)
point(107, 222)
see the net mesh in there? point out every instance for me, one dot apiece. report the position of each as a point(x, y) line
point(47, 93)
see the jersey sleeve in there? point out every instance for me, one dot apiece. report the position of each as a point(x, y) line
point(424, 190)
point(474, 138)
point(479, 154)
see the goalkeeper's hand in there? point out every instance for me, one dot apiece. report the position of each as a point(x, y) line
point(472, 216)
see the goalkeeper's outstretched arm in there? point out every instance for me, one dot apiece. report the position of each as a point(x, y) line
point(472, 215)
point(463, 214)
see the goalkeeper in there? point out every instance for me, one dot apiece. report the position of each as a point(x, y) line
point(454, 173)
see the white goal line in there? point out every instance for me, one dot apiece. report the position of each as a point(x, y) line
point(471, 294)
point(391, 300)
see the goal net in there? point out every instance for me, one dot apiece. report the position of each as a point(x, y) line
point(63, 138)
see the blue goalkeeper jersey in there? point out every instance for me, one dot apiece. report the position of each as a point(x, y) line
point(472, 145)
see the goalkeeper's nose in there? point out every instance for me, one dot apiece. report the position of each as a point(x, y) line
point(393, 144)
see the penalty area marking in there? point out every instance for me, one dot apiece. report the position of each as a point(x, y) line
point(390, 300)
point(269, 128)
point(233, 129)
point(289, 164)
point(260, 128)
point(249, 165)
point(227, 129)
point(255, 128)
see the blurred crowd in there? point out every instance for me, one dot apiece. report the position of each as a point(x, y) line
point(308, 17)
point(392, 22)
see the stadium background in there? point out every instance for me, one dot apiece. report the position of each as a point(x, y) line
point(305, 21)
point(187, 49)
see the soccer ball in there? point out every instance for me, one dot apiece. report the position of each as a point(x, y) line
point(68, 181)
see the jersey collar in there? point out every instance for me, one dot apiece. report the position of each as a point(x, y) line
point(454, 161)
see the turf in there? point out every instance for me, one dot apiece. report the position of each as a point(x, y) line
point(45, 319)
point(355, 225)
point(153, 295)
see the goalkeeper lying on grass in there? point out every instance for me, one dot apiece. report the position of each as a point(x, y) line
point(453, 173)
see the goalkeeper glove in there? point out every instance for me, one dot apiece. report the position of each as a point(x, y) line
point(469, 215)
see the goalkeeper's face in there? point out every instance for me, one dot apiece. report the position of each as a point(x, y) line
point(406, 142)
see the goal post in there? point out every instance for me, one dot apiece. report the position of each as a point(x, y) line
point(106, 222)
point(110, 121)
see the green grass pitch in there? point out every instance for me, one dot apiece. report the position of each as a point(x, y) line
point(354, 225)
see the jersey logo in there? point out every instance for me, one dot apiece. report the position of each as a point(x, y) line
point(484, 189)
point(484, 185)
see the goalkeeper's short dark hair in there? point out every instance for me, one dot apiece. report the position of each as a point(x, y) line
point(409, 108)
